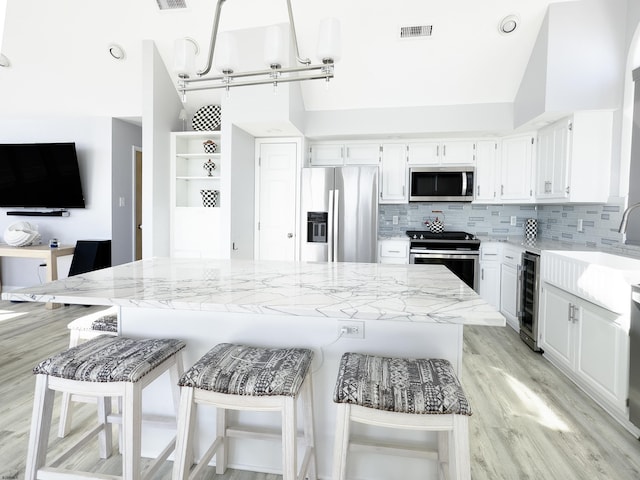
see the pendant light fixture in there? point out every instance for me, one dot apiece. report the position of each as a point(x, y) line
point(225, 49)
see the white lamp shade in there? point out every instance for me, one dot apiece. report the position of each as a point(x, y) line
point(274, 45)
point(329, 39)
point(226, 52)
point(184, 56)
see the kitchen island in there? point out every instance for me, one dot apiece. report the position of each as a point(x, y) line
point(401, 310)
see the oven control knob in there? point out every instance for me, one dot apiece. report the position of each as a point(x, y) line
point(415, 236)
point(421, 237)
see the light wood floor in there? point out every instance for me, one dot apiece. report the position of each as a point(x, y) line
point(529, 421)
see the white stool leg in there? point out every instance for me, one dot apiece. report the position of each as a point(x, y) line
point(40, 427)
point(460, 464)
point(184, 443)
point(341, 446)
point(64, 427)
point(309, 434)
point(443, 455)
point(131, 431)
point(222, 454)
point(289, 439)
point(105, 439)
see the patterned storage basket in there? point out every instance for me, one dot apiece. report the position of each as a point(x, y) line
point(210, 198)
point(208, 117)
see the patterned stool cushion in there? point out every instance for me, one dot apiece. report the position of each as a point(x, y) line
point(104, 321)
point(407, 385)
point(244, 370)
point(110, 359)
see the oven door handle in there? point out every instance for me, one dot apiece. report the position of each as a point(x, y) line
point(444, 255)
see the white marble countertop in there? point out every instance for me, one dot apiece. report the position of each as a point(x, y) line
point(359, 291)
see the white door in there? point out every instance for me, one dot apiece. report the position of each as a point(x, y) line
point(276, 209)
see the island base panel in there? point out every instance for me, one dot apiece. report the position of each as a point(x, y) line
point(202, 330)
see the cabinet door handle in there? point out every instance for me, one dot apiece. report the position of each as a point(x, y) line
point(570, 313)
point(482, 274)
point(478, 191)
point(501, 189)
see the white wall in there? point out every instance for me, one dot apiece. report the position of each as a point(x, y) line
point(577, 62)
point(92, 136)
point(160, 110)
point(125, 137)
point(411, 121)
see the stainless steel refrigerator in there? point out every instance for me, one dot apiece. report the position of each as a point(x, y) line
point(339, 208)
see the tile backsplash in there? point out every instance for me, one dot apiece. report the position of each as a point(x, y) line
point(479, 219)
point(555, 222)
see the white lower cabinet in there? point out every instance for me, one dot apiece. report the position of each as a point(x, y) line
point(394, 251)
point(510, 285)
point(588, 343)
point(196, 232)
point(490, 253)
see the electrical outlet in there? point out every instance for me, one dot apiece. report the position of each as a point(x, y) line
point(514, 219)
point(395, 219)
point(580, 226)
point(351, 329)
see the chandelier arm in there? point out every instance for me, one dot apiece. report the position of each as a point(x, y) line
point(254, 73)
point(304, 61)
point(323, 76)
point(212, 44)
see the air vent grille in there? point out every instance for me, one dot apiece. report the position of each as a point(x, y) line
point(415, 31)
point(169, 4)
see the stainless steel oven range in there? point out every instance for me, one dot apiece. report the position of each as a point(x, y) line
point(458, 251)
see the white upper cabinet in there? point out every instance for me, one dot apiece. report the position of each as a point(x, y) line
point(362, 154)
point(574, 159)
point(326, 154)
point(393, 174)
point(426, 153)
point(487, 167)
point(338, 154)
point(516, 168)
point(442, 152)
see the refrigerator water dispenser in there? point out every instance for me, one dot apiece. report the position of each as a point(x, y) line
point(317, 227)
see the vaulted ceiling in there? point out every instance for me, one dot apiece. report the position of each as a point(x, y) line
point(60, 61)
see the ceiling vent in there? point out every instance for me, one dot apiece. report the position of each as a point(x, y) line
point(415, 31)
point(170, 4)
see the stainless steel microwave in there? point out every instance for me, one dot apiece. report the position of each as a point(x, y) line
point(441, 184)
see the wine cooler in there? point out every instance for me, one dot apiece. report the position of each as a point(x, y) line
point(529, 287)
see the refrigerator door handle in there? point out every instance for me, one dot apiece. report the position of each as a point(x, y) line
point(331, 230)
point(336, 215)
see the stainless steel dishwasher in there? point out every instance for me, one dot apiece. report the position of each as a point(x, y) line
point(634, 358)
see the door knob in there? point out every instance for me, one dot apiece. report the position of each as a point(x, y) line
point(289, 235)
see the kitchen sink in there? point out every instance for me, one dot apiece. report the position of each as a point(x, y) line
point(602, 278)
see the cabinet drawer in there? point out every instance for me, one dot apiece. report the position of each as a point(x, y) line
point(511, 255)
point(490, 252)
point(394, 250)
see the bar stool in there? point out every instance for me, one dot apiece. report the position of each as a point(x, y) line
point(403, 393)
point(241, 377)
point(103, 367)
point(104, 322)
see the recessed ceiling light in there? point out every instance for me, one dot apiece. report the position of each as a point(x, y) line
point(508, 24)
point(116, 51)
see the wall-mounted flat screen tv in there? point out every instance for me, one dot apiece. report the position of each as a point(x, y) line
point(40, 175)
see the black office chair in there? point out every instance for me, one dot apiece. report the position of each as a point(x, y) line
point(90, 255)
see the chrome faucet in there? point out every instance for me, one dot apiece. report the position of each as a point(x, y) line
point(625, 217)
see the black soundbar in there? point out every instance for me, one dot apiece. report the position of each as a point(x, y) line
point(54, 213)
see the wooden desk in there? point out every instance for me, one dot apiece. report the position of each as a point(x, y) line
point(44, 252)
